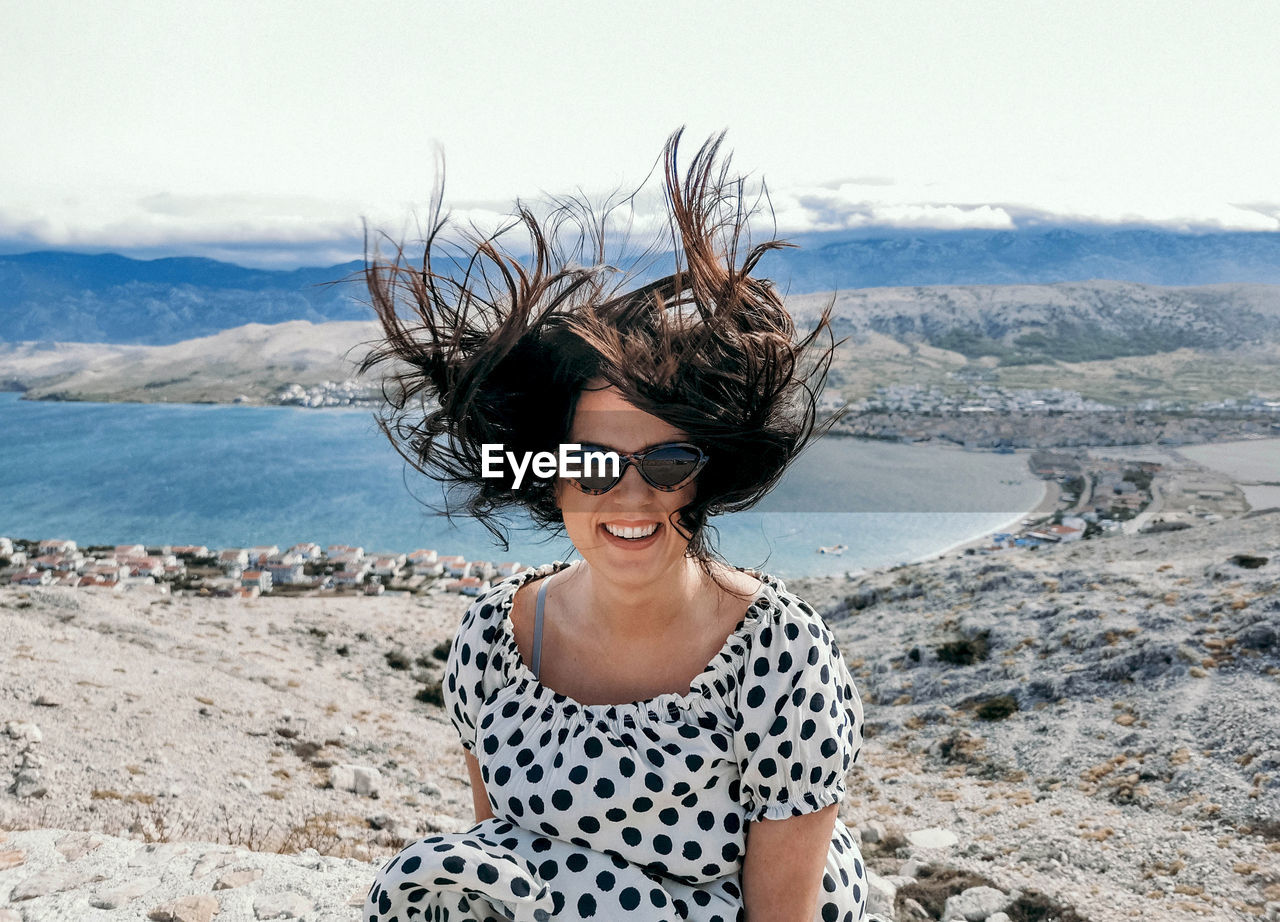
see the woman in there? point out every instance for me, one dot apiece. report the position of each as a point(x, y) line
point(650, 733)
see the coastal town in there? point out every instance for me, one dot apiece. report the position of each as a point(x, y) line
point(302, 569)
point(978, 416)
point(1087, 497)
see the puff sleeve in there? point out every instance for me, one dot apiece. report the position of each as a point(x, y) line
point(799, 724)
point(472, 670)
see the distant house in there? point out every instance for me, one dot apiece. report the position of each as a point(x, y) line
point(6, 547)
point(374, 589)
point(343, 550)
point(131, 550)
point(56, 546)
point(453, 564)
point(259, 578)
point(307, 551)
point(233, 558)
point(348, 577)
point(190, 550)
point(388, 567)
point(423, 558)
point(286, 573)
point(471, 585)
point(258, 556)
point(33, 577)
point(509, 568)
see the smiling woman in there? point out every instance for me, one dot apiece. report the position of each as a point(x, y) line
point(650, 732)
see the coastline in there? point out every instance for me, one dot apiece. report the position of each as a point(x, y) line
point(1044, 508)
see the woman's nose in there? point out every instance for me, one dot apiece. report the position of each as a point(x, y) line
point(632, 485)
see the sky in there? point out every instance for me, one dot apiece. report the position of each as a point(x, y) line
point(271, 133)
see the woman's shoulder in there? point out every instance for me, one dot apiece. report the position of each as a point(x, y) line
point(775, 604)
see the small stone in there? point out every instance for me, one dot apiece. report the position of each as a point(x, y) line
point(933, 838)
point(914, 867)
point(976, 904)
point(361, 779)
point(211, 861)
point(286, 905)
point(75, 845)
point(22, 730)
point(44, 701)
point(125, 893)
point(999, 917)
point(913, 911)
point(50, 882)
point(431, 789)
point(237, 878)
point(195, 908)
point(881, 894)
point(11, 858)
point(157, 854)
point(873, 832)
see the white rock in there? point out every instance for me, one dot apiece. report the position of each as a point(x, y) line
point(22, 730)
point(342, 777)
point(914, 867)
point(125, 893)
point(976, 904)
point(873, 831)
point(999, 917)
point(285, 905)
point(933, 838)
point(881, 894)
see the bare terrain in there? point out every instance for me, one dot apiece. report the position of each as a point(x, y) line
point(1088, 727)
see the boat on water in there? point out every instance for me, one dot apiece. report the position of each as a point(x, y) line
point(836, 549)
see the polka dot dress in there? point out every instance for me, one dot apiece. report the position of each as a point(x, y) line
point(639, 810)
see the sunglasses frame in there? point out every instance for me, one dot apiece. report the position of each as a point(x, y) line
point(628, 459)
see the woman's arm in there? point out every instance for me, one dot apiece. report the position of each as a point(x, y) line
point(479, 796)
point(782, 869)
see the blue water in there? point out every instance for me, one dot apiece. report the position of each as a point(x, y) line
point(228, 476)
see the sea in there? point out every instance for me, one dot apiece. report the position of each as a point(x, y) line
point(238, 476)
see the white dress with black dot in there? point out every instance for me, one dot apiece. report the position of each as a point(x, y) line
point(638, 810)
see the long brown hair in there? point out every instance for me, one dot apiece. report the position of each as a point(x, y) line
point(485, 346)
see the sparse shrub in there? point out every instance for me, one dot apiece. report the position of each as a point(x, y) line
point(343, 650)
point(933, 891)
point(997, 708)
point(441, 651)
point(966, 651)
point(398, 659)
point(431, 693)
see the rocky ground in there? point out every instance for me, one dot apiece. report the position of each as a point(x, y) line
point(1080, 732)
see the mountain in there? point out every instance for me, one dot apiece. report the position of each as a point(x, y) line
point(823, 262)
point(75, 297)
point(72, 297)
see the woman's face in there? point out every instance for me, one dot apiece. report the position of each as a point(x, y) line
point(604, 418)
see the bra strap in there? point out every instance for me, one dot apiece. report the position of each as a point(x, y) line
point(537, 626)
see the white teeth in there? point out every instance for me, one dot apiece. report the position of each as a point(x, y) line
point(632, 533)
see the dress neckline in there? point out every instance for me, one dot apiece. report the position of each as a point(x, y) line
point(765, 599)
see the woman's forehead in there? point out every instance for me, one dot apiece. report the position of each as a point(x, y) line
point(605, 417)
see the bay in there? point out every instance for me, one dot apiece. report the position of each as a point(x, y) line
point(231, 476)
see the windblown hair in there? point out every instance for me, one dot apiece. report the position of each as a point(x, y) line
point(498, 348)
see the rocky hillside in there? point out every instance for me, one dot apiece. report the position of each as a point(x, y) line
point(1084, 732)
point(1069, 322)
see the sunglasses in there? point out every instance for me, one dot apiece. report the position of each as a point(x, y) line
point(666, 467)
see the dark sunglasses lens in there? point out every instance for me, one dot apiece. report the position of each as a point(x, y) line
point(670, 465)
